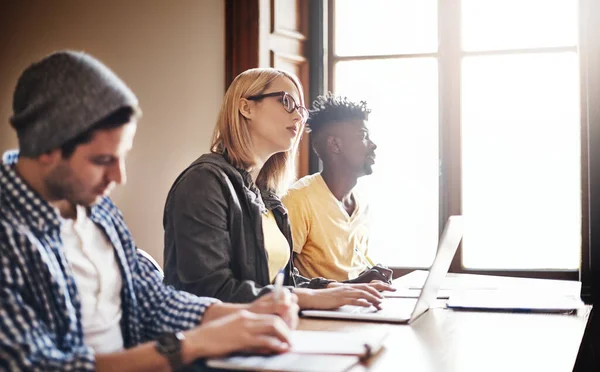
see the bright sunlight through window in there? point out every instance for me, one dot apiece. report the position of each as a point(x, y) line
point(520, 127)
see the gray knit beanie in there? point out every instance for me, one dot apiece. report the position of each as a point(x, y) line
point(62, 96)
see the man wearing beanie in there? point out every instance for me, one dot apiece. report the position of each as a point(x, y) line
point(74, 294)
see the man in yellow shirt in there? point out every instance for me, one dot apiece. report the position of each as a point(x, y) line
point(329, 220)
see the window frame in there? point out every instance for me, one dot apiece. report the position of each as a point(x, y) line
point(450, 57)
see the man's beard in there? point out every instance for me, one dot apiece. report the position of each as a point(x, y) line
point(367, 170)
point(62, 185)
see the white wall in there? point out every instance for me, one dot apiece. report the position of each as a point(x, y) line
point(172, 55)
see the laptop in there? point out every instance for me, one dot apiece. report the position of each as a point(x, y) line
point(406, 310)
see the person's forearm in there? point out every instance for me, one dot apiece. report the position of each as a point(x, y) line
point(145, 357)
point(305, 297)
point(196, 344)
point(222, 309)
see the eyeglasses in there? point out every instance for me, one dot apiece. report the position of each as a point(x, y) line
point(288, 102)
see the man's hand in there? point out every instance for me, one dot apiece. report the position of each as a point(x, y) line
point(381, 286)
point(286, 306)
point(240, 331)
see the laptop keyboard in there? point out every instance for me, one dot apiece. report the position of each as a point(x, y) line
point(391, 307)
point(358, 309)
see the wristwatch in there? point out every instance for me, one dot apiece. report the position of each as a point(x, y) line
point(169, 345)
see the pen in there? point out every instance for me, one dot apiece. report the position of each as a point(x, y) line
point(364, 260)
point(278, 286)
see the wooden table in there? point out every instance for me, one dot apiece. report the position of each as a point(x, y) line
point(448, 340)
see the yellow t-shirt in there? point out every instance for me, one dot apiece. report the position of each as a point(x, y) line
point(324, 234)
point(276, 245)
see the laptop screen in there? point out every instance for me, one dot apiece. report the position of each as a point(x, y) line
point(447, 247)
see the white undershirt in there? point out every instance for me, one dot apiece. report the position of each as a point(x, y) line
point(96, 271)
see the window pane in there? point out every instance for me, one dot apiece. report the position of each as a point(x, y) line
point(403, 190)
point(517, 24)
point(521, 161)
point(377, 27)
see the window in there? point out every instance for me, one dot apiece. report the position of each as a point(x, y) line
point(476, 111)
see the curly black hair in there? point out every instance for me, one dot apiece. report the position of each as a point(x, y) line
point(331, 108)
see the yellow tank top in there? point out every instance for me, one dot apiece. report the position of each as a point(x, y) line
point(276, 245)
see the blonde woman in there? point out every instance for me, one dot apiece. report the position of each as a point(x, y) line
point(227, 234)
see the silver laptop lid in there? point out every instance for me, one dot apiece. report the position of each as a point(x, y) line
point(447, 247)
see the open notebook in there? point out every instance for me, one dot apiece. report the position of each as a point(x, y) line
point(311, 351)
point(288, 362)
point(461, 287)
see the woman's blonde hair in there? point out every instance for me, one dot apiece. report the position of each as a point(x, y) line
point(231, 134)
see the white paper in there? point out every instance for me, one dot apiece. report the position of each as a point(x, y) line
point(288, 362)
point(338, 343)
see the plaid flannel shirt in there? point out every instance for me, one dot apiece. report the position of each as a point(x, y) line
point(40, 309)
